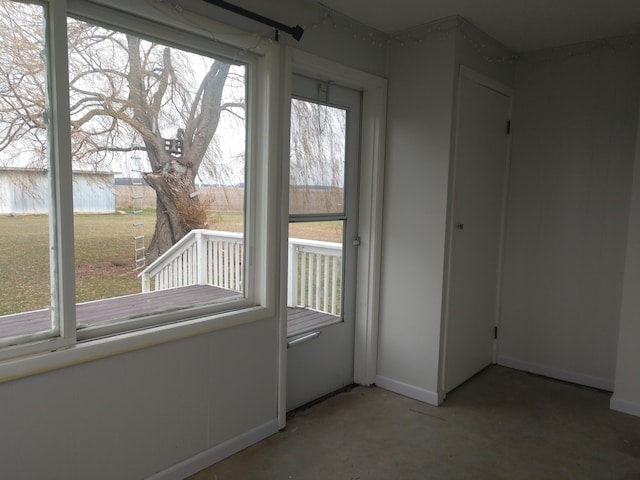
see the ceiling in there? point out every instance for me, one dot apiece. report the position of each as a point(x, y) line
point(520, 25)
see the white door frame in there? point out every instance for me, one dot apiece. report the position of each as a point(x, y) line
point(470, 74)
point(372, 150)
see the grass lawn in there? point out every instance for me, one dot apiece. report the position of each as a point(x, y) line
point(103, 250)
point(104, 255)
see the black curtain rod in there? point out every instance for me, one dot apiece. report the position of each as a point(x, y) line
point(296, 32)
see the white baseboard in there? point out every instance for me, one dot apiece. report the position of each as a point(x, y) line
point(213, 455)
point(411, 391)
point(624, 406)
point(559, 374)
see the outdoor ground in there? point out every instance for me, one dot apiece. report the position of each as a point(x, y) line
point(103, 250)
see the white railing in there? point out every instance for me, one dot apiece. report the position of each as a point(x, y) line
point(201, 257)
point(315, 273)
point(215, 258)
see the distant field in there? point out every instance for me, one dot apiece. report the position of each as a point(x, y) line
point(217, 198)
point(103, 250)
point(303, 199)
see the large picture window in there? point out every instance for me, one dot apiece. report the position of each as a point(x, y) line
point(158, 135)
point(158, 168)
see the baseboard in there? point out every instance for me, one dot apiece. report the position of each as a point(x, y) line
point(219, 452)
point(411, 391)
point(624, 406)
point(559, 374)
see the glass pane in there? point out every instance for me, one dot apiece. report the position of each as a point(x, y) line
point(158, 138)
point(315, 275)
point(318, 152)
point(25, 278)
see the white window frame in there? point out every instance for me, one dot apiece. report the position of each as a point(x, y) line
point(260, 203)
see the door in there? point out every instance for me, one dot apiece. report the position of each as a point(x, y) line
point(478, 211)
point(323, 210)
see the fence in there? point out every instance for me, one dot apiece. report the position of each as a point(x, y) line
point(315, 273)
point(200, 257)
point(215, 258)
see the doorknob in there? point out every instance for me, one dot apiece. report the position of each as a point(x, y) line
point(460, 226)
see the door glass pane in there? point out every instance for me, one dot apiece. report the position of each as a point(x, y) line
point(158, 139)
point(25, 203)
point(315, 275)
point(318, 152)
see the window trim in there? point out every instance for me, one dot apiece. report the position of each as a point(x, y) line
point(260, 197)
point(60, 240)
point(34, 362)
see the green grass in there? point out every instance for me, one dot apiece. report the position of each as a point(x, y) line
point(324, 231)
point(24, 263)
point(104, 254)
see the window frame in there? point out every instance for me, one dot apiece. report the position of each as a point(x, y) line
point(60, 180)
point(68, 343)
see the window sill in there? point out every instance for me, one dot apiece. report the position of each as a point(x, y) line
point(96, 349)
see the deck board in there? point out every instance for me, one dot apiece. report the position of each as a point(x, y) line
point(301, 319)
point(99, 311)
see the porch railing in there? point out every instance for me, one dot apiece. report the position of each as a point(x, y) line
point(199, 258)
point(314, 276)
point(210, 257)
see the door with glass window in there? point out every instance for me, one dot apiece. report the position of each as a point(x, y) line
point(323, 237)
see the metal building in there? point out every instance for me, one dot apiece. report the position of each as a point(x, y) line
point(25, 191)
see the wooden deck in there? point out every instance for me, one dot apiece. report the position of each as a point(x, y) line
point(130, 306)
point(300, 320)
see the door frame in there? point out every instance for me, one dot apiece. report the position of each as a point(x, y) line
point(470, 74)
point(372, 151)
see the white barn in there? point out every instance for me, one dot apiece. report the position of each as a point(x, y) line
point(24, 191)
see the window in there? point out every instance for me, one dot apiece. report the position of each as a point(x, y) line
point(158, 142)
point(25, 187)
point(133, 213)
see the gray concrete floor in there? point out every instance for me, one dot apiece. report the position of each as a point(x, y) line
point(501, 424)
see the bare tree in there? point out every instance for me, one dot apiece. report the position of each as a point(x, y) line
point(317, 145)
point(22, 85)
point(125, 94)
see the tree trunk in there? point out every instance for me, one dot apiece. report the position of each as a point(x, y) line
point(178, 208)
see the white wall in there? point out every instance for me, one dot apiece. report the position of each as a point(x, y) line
point(421, 85)
point(481, 53)
point(423, 72)
point(626, 395)
point(131, 415)
point(574, 130)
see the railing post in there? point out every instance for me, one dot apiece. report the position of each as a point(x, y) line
point(292, 274)
point(201, 259)
point(146, 283)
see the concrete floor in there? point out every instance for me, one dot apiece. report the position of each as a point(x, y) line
point(501, 424)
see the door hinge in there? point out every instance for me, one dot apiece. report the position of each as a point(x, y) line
point(495, 332)
point(508, 127)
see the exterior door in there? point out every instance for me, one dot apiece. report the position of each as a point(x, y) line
point(323, 210)
point(478, 212)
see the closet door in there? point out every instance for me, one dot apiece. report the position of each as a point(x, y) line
point(476, 227)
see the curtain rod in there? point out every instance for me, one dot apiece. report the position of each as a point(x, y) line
point(296, 32)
